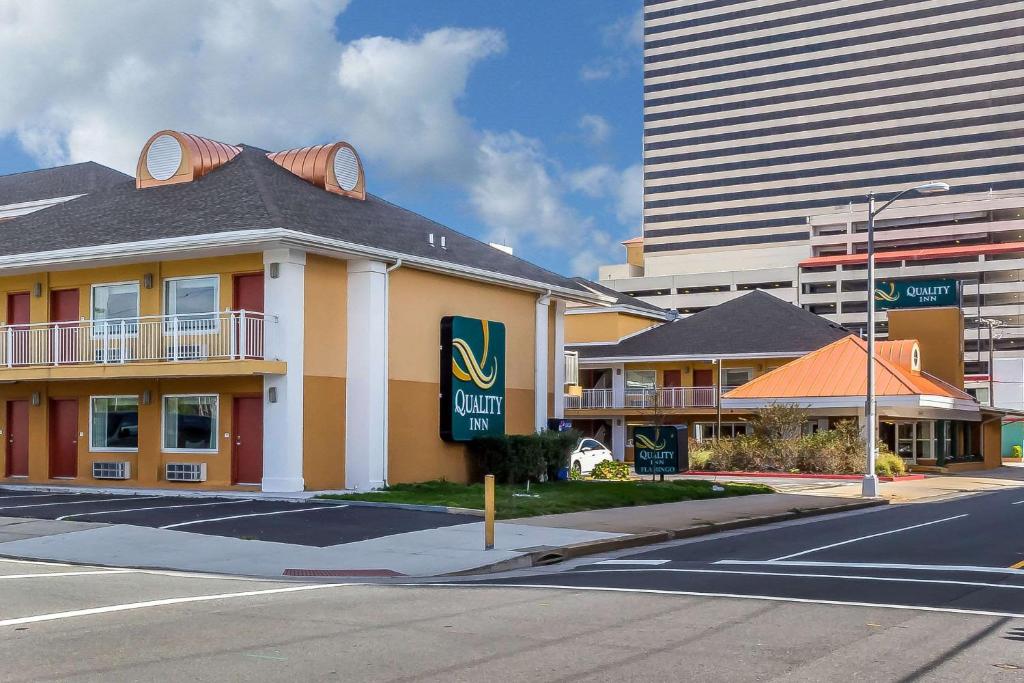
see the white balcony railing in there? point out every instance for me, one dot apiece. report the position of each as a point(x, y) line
point(667, 398)
point(183, 337)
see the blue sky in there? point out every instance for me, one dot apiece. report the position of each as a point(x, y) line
point(492, 91)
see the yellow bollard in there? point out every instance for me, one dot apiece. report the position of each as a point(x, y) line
point(489, 512)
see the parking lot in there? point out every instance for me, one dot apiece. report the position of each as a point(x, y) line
point(307, 522)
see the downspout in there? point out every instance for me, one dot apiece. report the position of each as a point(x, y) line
point(387, 364)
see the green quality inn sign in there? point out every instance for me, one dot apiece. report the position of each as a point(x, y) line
point(890, 294)
point(472, 378)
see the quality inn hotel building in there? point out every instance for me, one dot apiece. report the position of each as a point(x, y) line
point(237, 318)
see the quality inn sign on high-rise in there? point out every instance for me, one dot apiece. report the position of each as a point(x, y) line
point(472, 378)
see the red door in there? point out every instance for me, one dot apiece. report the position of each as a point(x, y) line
point(18, 314)
point(671, 380)
point(64, 305)
point(705, 397)
point(248, 449)
point(17, 438)
point(63, 438)
point(249, 298)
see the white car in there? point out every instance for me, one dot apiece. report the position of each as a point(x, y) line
point(587, 453)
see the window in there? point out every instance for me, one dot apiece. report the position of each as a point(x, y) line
point(194, 300)
point(641, 379)
point(190, 423)
point(114, 425)
point(115, 302)
point(733, 377)
point(704, 431)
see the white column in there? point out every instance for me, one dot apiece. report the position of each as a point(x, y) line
point(618, 386)
point(366, 414)
point(559, 358)
point(284, 337)
point(540, 365)
point(619, 438)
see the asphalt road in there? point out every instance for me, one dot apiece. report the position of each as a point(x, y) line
point(88, 624)
point(311, 523)
point(959, 555)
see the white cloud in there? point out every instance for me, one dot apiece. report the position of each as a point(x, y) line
point(91, 80)
point(622, 38)
point(596, 129)
point(623, 189)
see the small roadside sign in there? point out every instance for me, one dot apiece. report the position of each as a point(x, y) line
point(660, 450)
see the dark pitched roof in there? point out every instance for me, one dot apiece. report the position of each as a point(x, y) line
point(62, 181)
point(622, 299)
point(753, 323)
point(251, 192)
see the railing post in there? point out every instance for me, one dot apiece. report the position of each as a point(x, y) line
point(106, 342)
point(242, 335)
point(56, 344)
point(124, 338)
point(174, 337)
point(10, 346)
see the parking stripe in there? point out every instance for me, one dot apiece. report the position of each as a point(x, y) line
point(78, 502)
point(156, 507)
point(864, 538)
point(54, 616)
point(254, 514)
point(58, 574)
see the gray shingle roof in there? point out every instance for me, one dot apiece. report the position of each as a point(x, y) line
point(251, 192)
point(754, 323)
point(62, 181)
point(623, 299)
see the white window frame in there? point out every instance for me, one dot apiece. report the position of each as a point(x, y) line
point(214, 428)
point(699, 427)
point(654, 382)
point(96, 334)
point(110, 449)
point(726, 371)
point(214, 327)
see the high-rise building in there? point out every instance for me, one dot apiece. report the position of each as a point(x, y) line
point(767, 123)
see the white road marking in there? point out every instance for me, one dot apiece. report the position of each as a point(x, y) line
point(1019, 502)
point(851, 577)
point(77, 502)
point(881, 565)
point(56, 616)
point(47, 563)
point(698, 594)
point(254, 514)
point(634, 562)
point(864, 538)
point(157, 507)
point(4, 577)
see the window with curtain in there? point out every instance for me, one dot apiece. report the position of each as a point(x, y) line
point(190, 423)
point(112, 304)
point(115, 423)
point(194, 300)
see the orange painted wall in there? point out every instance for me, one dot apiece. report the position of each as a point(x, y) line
point(940, 333)
point(606, 326)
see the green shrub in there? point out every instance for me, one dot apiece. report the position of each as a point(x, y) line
point(890, 465)
point(514, 458)
point(1016, 451)
point(700, 457)
point(610, 469)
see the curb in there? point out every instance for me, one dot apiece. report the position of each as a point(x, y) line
point(556, 554)
point(803, 475)
point(403, 506)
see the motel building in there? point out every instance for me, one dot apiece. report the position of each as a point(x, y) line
point(233, 318)
point(717, 367)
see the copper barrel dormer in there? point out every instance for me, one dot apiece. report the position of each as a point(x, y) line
point(334, 167)
point(171, 157)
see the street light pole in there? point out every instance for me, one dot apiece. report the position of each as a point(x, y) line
point(869, 488)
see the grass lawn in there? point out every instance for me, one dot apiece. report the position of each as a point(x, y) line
point(553, 497)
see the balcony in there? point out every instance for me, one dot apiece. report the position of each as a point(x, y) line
point(124, 342)
point(660, 398)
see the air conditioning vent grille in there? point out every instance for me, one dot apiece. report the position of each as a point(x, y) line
point(111, 470)
point(185, 471)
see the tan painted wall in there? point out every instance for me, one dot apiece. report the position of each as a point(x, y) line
point(635, 254)
point(940, 333)
point(324, 349)
point(607, 326)
point(418, 301)
point(148, 463)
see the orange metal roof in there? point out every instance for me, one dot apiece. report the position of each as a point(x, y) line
point(839, 369)
point(899, 352)
point(634, 240)
point(316, 165)
point(199, 156)
point(914, 254)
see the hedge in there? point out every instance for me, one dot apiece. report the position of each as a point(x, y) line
point(514, 458)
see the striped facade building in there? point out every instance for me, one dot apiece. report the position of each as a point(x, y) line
point(766, 123)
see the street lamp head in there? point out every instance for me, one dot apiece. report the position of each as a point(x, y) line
point(932, 188)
